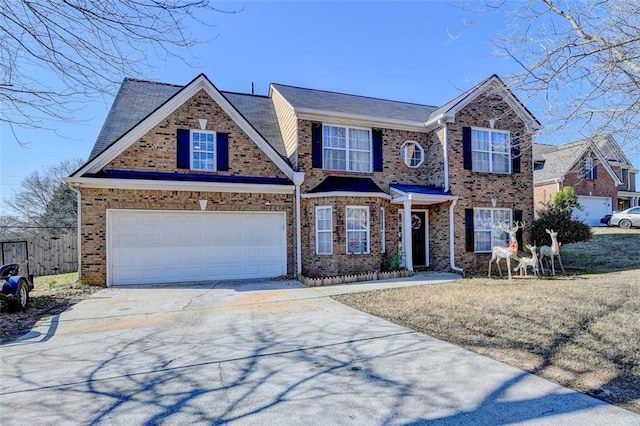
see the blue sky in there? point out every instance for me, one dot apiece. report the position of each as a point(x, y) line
point(416, 51)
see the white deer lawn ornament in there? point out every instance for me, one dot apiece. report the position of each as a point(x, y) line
point(551, 252)
point(498, 253)
point(525, 262)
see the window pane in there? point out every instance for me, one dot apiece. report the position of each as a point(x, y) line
point(482, 240)
point(334, 137)
point(500, 142)
point(480, 140)
point(359, 139)
point(359, 161)
point(481, 162)
point(334, 159)
point(500, 163)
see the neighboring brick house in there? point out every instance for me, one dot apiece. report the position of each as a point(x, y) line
point(188, 183)
point(601, 174)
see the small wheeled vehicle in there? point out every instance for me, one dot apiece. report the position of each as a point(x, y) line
point(15, 287)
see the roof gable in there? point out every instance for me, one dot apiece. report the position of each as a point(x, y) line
point(104, 152)
point(560, 161)
point(493, 84)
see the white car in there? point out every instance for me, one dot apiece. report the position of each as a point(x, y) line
point(626, 218)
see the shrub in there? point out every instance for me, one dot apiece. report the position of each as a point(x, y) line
point(558, 218)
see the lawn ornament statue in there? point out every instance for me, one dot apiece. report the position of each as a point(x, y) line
point(551, 252)
point(498, 253)
point(525, 262)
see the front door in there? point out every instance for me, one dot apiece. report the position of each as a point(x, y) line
point(418, 238)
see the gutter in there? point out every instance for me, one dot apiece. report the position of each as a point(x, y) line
point(443, 123)
point(452, 256)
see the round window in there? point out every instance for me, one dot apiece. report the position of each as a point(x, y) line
point(412, 154)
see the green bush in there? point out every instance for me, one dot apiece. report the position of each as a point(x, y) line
point(559, 219)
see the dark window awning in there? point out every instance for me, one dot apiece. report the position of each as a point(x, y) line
point(419, 194)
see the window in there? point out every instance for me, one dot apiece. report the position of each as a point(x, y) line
point(324, 230)
point(346, 148)
point(588, 168)
point(486, 233)
point(412, 154)
point(625, 178)
point(357, 230)
point(203, 150)
point(491, 151)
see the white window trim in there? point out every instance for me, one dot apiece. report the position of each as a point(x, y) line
point(404, 159)
point(347, 149)
point(324, 231)
point(509, 162)
point(493, 209)
point(215, 150)
point(346, 227)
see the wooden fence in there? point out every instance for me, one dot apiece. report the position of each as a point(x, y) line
point(48, 255)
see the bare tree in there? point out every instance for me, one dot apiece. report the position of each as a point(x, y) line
point(87, 46)
point(44, 204)
point(580, 59)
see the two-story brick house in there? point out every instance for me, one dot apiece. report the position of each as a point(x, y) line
point(189, 183)
point(597, 168)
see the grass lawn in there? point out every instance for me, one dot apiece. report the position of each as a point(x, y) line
point(581, 330)
point(51, 295)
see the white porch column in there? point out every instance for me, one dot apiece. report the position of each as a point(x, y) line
point(406, 235)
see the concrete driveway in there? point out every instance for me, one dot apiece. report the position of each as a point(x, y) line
point(264, 353)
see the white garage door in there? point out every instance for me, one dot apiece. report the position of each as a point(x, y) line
point(593, 209)
point(146, 247)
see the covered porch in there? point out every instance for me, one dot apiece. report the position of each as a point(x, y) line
point(416, 202)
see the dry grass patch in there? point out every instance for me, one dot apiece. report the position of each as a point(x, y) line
point(582, 331)
point(51, 295)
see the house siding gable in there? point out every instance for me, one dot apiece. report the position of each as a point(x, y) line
point(288, 126)
point(602, 186)
point(157, 150)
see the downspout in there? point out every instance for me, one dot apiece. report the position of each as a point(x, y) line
point(75, 189)
point(298, 178)
point(452, 254)
point(446, 153)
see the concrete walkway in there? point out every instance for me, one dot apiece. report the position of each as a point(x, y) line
point(264, 353)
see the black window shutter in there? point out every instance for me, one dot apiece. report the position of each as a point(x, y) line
point(183, 149)
point(222, 152)
point(316, 145)
point(595, 172)
point(376, 138)
point(515, 156)
point(466, 148)
point(517, 217)
point(468, 230)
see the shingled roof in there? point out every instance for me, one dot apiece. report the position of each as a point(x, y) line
point(322, 100)
point(136, 99)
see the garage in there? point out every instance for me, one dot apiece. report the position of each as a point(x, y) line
point(149, 247)
point(594, 208)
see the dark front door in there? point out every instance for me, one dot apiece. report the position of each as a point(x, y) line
point(418, 238)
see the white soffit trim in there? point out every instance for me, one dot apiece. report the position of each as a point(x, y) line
point(358, 119)
point(420, 198)
point(199, 83)
point(83, 182)
point(347, 194)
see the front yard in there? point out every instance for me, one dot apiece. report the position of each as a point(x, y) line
point(581, 330)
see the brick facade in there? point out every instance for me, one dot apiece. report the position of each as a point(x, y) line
point(476, 189)
point(602, 186)
point(156, 151)
point(95, 203)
